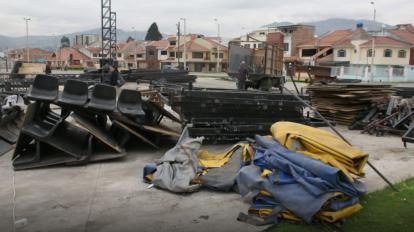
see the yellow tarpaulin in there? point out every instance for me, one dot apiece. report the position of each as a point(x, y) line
point(211, 160)
point(321, 145)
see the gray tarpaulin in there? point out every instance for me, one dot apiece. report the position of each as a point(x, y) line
point(178, 166)
point(224, 178)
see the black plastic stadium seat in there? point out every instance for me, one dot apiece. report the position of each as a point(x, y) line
point(103, 98)
point(43, 127)
point(75, 93)
point(130, 103)
point(44, 88)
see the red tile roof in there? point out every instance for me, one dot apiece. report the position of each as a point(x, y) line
point(404, 35)
point(328, 39)
point(161, 44)
point(387, 42)
point(34, 53)
point(64, 54)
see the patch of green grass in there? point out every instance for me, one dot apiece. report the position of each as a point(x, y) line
point(383, 211)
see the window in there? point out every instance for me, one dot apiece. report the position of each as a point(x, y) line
point(94, 55)
point(308, 52)
point(254, 46)
point(139, 55)
point(198, 55)
point(262, 33)
point(221, 55)
point(172, 54)
point(388, 53)
point(173, 43)
point(179, 55)
point(402, 54)
point(261, 45)
point(369, 52)
point(164, 53)
point(286, 47)
point(342, 53)
point(247, 45)
point(119, 55)
point(151, 53)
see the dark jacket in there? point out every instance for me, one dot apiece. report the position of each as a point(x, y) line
point(243, 72)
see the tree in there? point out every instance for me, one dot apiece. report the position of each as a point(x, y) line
point(153, 33)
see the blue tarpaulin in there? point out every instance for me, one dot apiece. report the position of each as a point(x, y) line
point(298, 182)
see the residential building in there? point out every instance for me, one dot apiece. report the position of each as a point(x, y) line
point(70, 58)
point(292, 36)
point(404, 32)
point(257, 38)
point(320, 49)
point(35, 54)
point(201, 53)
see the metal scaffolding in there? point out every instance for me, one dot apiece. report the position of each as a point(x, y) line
point(113, 35)
point(108, 33)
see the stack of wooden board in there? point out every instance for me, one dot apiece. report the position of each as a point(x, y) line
point(342, 102)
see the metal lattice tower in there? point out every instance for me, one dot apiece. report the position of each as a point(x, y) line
point(106, 28)
point(113, 35)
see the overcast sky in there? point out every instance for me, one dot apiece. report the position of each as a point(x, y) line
point(50, 17)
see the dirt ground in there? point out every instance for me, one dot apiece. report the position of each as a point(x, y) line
point(111, 196)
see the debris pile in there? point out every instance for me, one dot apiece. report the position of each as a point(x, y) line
point(299, 173)
point(11, 114)
point(343, 102)
point(396, 117)
point(81, 132)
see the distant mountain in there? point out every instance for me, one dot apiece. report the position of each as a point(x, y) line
point(324, 26)
point(51, 42)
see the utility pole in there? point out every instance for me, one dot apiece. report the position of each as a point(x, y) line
point(27, 38)
point(218, 46)
point(178, 43)
point(373, 43)
point(135, 48)
point(185, 40)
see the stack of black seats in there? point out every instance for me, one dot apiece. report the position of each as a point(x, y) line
point(49, 138)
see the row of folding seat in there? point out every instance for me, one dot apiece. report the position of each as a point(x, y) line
point(76, 94)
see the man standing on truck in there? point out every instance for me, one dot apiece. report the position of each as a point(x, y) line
point(243, 74)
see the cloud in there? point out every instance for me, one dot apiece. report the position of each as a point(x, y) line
point(62, 16)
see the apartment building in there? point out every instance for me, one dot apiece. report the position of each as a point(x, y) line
point(292, 36)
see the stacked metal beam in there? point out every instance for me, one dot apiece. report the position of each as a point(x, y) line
point(229, 115)
point(344, 102)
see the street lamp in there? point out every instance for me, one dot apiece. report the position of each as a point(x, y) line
point(185, 41)
point(218, 46)
point(27, 38)
point(373, 42)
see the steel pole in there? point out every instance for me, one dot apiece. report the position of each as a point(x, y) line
point(27, 39)
point(185, 41)
point(218, 46)
point(373, 44)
